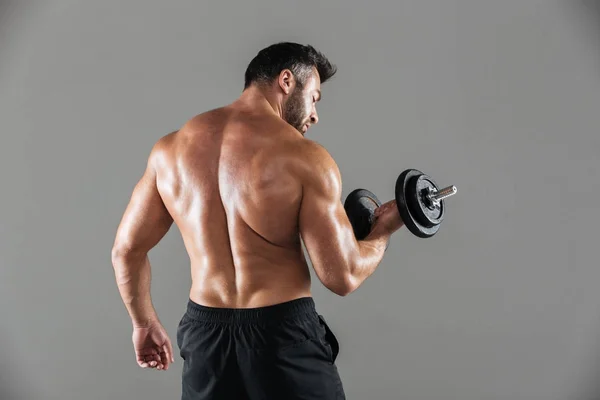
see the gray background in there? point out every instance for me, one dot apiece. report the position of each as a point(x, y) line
point(500, 98)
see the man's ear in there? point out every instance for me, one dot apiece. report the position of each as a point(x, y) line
point(286, 81)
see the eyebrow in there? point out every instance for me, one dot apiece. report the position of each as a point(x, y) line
point(319, 92)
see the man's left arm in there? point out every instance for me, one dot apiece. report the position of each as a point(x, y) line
point(144, 223)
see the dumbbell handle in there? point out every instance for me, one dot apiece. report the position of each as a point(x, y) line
point(442, 193)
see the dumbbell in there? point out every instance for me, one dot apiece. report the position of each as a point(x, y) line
point(419, 201)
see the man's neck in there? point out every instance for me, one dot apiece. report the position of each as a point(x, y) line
point(260, 99)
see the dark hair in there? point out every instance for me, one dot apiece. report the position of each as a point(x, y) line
point(300, 59)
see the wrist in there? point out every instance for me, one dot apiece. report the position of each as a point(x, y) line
point(379, 235)
point(144, 323)
point(144, 318)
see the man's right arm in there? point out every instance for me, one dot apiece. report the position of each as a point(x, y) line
point(341, 262)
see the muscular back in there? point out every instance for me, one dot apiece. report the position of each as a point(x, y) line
point(244, 189)
point(231, 182)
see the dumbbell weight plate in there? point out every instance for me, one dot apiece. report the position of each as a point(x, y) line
point(360, 207)
point(424, 210)
point(411, 204)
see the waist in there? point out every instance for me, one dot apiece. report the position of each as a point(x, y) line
point(288, 309)
point(249, 288)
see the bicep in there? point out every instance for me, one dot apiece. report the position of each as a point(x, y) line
point(146, 219)
point(325, 227)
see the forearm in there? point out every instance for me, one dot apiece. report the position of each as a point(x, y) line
point(133, 277)
point(370, 253)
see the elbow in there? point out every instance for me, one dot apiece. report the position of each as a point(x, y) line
point(343, 285)
point(119, 253)
point(124, 261)
point(124, 256)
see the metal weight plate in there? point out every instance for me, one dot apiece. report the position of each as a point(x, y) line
point(407, 200)
point(360, 207)
point(427, 212)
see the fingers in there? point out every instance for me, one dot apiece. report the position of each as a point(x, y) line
point(159, 359)
point(145, 356)
point(167, 354)
point(150, 360)
point(152, 364)
point(384, 207)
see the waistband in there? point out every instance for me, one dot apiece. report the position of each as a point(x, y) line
point(279, 311)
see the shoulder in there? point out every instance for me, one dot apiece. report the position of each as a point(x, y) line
point(316, 154)
point(316, 165)
point(162, 148)
point(211, 117)
point(187, 131)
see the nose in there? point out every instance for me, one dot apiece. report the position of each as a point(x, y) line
point(314, 118)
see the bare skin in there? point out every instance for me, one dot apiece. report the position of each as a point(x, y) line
point(244, 187)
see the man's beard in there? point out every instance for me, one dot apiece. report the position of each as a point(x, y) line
point(294, 113)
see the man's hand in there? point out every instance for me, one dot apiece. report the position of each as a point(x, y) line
point(153, 347)
point(387, 218)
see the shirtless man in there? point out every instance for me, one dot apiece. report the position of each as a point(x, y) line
point(244, 186)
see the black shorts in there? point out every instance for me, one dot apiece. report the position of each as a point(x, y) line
point(280, 352)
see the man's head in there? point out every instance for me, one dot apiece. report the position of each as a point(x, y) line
point(296, 73)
